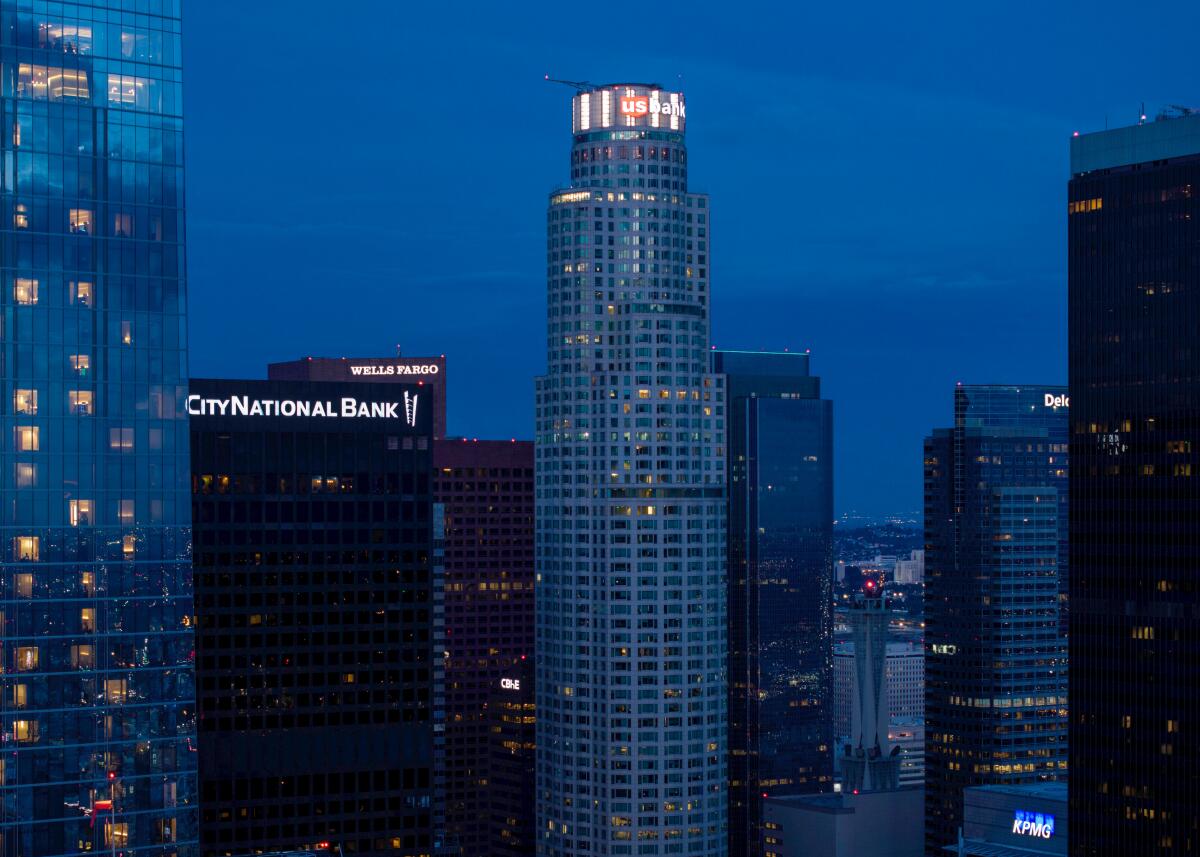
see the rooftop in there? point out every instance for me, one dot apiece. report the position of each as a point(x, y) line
point(1170, 135)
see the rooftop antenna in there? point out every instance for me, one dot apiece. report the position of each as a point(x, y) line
point(577, 85)
point(1142, 120)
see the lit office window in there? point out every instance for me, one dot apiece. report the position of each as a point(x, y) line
point(80, 514)
point(81, 364)
point(25, 291)
point(21, 216)
point(26, 475)
point(120, 438)
point(87, 619)
point(23, 585)
point(115, 691)
point(83, 657)
point(126, 333)
point(25, 402)
point(27, 548)
point(81, 220)
point(128, 546)
point(80, 402)
point(20, 695)
point(27, 438)
point(125, 511)
point(81, 293)
point(27, 658)
point(25, 731)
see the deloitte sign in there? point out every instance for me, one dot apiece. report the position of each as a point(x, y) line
point(1036, 824)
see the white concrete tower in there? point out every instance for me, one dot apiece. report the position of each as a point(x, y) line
point(631, 634)
point(869, 762)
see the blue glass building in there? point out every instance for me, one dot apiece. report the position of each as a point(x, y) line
point(96, 681)
point(995, 558)
point(780, 585)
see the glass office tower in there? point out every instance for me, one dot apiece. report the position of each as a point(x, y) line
point(630, 482)
point(780, 585)
point(96, 688)
point(1133, 227)
point(995, 544)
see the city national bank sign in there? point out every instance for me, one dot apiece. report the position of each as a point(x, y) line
point(343, 408)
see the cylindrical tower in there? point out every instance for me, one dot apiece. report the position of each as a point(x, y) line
point(631, 633)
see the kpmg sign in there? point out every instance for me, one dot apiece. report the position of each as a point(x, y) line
point(343, 408)
point(1036, 824)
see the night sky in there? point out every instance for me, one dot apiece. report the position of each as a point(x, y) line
point(888, 184)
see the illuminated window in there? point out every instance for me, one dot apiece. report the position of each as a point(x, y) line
point(25, 731)
point(81, 363)
point(87, 620)
point(120, 438)
point(25, 291)
point(126, 333)
point(87, 582)
point(83, 657)
point(142, 93)
point(116, 834)
point(20, 695)
point(80, 402)
point(81, 293)
point(125, 511)
point(127, 546)
point(26, 474)
point(27, 438)
point(115, 691)
point(80, 513)
point(27, 658)
point(81, 220)
point(23, 585)
point(49, 83)
point(25, 402)
point(27, 548)
point(21, 216)
point(69, 38)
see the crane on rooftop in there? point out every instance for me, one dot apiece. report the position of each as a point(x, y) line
point(577, 85)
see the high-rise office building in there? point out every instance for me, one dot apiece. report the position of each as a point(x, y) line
point(630, 463)
point(97, 701)
point(995, 545)
point(512, 733)
point(318, 609)
point(486, 491)
point(1134, 250)
point(428, 372)
point(780, 472)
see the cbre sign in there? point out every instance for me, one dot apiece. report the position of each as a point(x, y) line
point(1038, 825)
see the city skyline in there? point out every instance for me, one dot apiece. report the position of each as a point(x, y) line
point(890, 240)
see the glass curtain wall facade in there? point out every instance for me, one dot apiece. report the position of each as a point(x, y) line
point(780, 471)
point(319, 627)
point(97, 704)
point(1133, 227)
point(630, 481)
point(995, 542)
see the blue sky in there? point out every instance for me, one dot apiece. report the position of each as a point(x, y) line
point(888, 184)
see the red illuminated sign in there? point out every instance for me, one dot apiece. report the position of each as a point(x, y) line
point(635, 105)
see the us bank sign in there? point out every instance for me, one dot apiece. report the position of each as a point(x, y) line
point(344, 408)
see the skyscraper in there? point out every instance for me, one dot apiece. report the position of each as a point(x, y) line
point(995, 544)
point(318, 609)
point(97, 704)
point(780, 472)
point(631, 635)
point(486, 491)
point(1133, 230)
